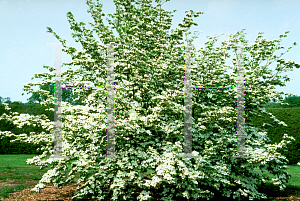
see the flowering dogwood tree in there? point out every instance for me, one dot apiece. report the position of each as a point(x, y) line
point(149, 78)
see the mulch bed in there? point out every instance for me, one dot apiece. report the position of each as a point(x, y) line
point(67, 192)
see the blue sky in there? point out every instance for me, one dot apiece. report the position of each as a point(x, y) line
point(23, 49)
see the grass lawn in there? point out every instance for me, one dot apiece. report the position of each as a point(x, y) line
point(16, 175)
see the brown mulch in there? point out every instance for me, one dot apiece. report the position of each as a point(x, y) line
point(49, 193)
point(67, 192)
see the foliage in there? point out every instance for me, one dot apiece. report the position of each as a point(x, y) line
point(17, 147)
point(32, 108)
point(20, 147)
point(272, 105)
point(275, 132)
point(289, 116)
point(148, 76)
point(5, 100)
point(293, 101)
point(67, 95)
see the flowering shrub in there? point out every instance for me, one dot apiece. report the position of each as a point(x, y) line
point(148, 75)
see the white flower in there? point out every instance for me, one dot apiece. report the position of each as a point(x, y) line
point(210, 95)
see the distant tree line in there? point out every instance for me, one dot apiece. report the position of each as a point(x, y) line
point(67, 96)
point(32, 107)
point(293, 101)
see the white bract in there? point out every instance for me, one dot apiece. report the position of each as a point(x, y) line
point(149, 77)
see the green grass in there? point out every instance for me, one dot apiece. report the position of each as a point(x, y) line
point(292, 187)
point(14, 172)
point(294, 170)
point(17, 175)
